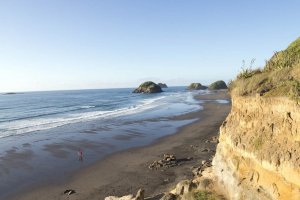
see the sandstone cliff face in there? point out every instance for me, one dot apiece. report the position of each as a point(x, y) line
point(258, 156)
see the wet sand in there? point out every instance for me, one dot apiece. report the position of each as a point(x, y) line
point(125, 172)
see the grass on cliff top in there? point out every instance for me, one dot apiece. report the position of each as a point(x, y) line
point(279, 77)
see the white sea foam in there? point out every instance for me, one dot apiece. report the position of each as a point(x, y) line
point(35, 124)
point(222, 101)
point(86, 107)
point(30, 125)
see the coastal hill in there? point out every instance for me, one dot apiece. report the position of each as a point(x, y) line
point(280, 76)
point(258, 156)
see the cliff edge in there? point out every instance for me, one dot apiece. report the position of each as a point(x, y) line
point(258, 155)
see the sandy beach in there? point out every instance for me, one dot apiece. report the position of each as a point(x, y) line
point(149, 100)
point(125, 172)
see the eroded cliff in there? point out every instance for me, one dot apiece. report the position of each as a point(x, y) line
point(258, 155)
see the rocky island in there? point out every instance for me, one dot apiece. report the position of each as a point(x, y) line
point(148, 87)
point(196, 86)
point(218, 85)
point(162, 85)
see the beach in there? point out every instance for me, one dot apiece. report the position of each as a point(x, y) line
point(124, 172)
point(149, 100)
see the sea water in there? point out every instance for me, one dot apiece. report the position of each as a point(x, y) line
point(41, 133)
point(30, 112)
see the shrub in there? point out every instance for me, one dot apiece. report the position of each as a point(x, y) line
point(283, 59)
point(279, 77)
point(248, 72)
point(287, 58)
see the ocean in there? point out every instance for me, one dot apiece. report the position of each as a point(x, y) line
point(31, 112)
point(41, 132)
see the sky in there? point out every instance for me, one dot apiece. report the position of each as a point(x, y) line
point(72, 44)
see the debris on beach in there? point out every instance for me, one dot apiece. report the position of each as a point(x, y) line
point(205, 150)
point(168, 161)
point(69, 192)
point(194, 147)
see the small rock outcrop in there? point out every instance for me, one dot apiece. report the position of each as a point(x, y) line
point(218, 85)
point(162, 85)
point(148, 87)
point(196, 86)
point(169, 160)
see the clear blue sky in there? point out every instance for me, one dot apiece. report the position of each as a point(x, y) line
point(69, 44)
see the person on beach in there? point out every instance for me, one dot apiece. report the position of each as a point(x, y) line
point(80, 155)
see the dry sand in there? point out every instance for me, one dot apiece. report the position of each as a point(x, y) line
point(125, 172)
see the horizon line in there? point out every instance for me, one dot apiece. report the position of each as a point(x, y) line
point(57, 90)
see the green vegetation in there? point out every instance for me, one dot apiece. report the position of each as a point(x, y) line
point(147, 84)
point(205, 195)
point(218, 85)
point(148, 87)
point(196, 86)
point(285, 59)
point(279, 77)
point(248, 72)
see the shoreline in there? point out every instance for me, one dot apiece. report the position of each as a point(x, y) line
point(124, 172)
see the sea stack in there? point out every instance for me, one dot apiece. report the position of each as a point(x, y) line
point(162, 85)
point(196, 86)
point(218, 85)
point(148, 87)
